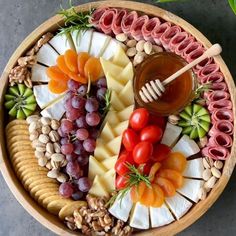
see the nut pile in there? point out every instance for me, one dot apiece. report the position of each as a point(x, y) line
point(95, 219)
point(138, 50)
point(21, 72)
point(45, 141)
point(210, 175)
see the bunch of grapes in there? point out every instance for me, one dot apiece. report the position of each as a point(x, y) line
point(79, 131)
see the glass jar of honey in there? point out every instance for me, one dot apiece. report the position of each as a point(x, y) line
point(178, 94)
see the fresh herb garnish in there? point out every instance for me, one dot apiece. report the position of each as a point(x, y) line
point(75, 20)
point(232, 4)
point(201, 89)
point(107, 99)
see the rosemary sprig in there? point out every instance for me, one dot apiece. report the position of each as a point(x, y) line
point(75, 20)
point(107, 98)
point(201, 89)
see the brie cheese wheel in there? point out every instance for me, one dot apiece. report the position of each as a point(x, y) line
point(47, 55)
point(194, 168)
point(111, 49)
point(82, 40)
point(171, 134)
point(99, 43)
point(160, 216)
point(179, 205)
point(61, 43)
point(191, 188)
point(38, 73)
point(122, 207)
point(55, 111)
point(139, 218)
point(187, 146)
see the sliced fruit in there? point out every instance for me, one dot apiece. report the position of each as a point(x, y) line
point(57, 87)
point(158, 196)
point(71, 60)
point(148, 197)
point(81, 60)
point(166, 185)
point(93, 69)
point(154, 170)
point(61, 63)
point(54, 73)
point(138, 191)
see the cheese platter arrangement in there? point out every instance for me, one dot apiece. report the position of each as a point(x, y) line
point(95, 141)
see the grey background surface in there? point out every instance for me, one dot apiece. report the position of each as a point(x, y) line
point(212, 17)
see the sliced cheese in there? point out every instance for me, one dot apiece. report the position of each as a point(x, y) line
point(107, 132)
point(121, 127)
point(111, 49)
point(194, 168)
point(139, 218)
point(127, 73)
point(101, 152)
point(126, 95)
point(120, 58)
point(116, 103)
point(160, 216)
point(187, 146)
point(122, 207)
point(109, 180)
point(61, 43)
point(112, 118)
point(113, 83)
point(191, 188)
point(99, 43)
point(98, 188)
point(95, 168)
point(110, 162)
point(82, 40)
point(115, 144)
point(179, 205)
point(55, 111)
point(125, 114)
point(171, 134)
point(47, 55)
point(38, 73)
point(110, 67)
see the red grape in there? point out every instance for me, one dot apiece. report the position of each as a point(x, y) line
point(79, 149)
point(77, 195)
point(89, 145)
point(68, 104)
point(66, 126)
point(66, 190)
point(81, 122)
point(64, 140)
point(93, 119)
point(83, 160)
point(73, 114)
point(78, 102)
point(67, 149)
point(82, 90)
point(84, 184)
point(71, 157)
point(73, 85)
point(91, 105)
point(73, 169)
point(102, 83)
point(101, 94)
point(61, 133)
point(82, 134)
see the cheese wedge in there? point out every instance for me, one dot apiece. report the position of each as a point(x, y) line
point(127, 94)
point(95, 168)
point(113, 83)
point(98, 188)
point(99, 43)
point(160, 216)
point(139, 218)
point(194, 168)
point(107, 132)
point(101, 152)
point(82, 40)
point(120, 58)
point(109, 180)
point(38, 73)
point(187, 146)
point(127, 74)
point(111, 49)
point(116, 103)
point(179, 205)
point(110, 162)
point(47, 55)
point(125, 114)
point(191, 188)
point(171, 134)
point(110, 67)
point(112, 118)
point(61, 43)
point(122, 207)
point(114, 145)
point(121, 127)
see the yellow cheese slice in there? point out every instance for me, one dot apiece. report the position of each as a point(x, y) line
point(109, 163)
point(114, 145)
point(101, 152)
point(110, 67)
point(126, 95)
point(113, 83)
point(107, 132)
point(121, 127)
point(125, 114)
point(116, 102)
point(98, 188)
point(108, 179)
point(95, 168)
point(120, 58)
point(127, 73)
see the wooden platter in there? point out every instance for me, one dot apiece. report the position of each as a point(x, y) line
point(52, 222)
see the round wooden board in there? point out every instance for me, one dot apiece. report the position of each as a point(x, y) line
point(53, 223)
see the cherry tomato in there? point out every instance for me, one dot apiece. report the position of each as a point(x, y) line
point(160, 152)
point(121, 182)
point(151, 133)
point(139, 118)
point(160, 121)
point(121, 164)
point(142, 152)
point(129, 139)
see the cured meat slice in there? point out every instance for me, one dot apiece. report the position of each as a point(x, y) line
point(220, 139)
point(216, 152)
point(224, 126)
point(177, 39)
point(96, 16)
point(217, 95)
point(182, 46)
point(191, 48)
point(219, 104)
point(147, 29)
point(207, 70)
point(159, 31)
point(168, 35)
point(136, 28)
point(116, 24)
point(127, 22)
point(203, 63)
point(106, 20)
point(214, 78)
point(222, 114)
point(219, 86)
point(194, 54)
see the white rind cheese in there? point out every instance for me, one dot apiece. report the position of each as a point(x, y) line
point(191, 188)
point(160, 216)
point(111, 49)
point(38, 73)
point(171, 134)
point(187, 146)
point(179, 205)
point(194, 168)
point(139, 218)
point(121, 208)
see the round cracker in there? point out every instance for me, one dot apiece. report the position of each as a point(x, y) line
point(55, 206)
point(16, 123)
point(17, 132)
point(46, 195)
point(17, 160)
point(46, 190)
point(22, 154)
point(42, 181)
point(31, 171)
point(21, 145)
point(17, 139)
point(16, 127)
point(69, 209)
point(27, 181)
point(42, 186)
point(17, 149)
point(49, 199)
point(27, 176)
point(26, 163)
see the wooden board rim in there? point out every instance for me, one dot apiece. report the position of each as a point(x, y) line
point(51, 221)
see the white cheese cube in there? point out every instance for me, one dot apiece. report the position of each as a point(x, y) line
point(160, 216)
point(38, 73)
point(194, 168)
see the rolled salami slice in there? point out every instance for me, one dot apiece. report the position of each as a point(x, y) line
point(217, 95)
point(222, 114)
point(106, 20)
point(203, 63)
point(220, 139)
point(127, 22)
point(219, 104)
point(207, 70)
point(177, 40)
point(136, 28)
point(96, 16)
point(219, 86)
point(159, 31)
point(216, 152)
point(116, 24)
point(194, 54)
point(168, 35)
point(191, 48)
point(214, 78)
point(147, 29)
point(182, 46)
point(224, 126)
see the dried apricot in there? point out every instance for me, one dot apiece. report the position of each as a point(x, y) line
point(61, 63)
point(137, 191)
point(53, 72)
point(57, 86)
point(175, 161)
point(93, 69)
point(148, 197)
point(166, 185)
point(71, 60)
point(154, 170)
point(78, 78)
point(158, 196)
point(81, 60)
